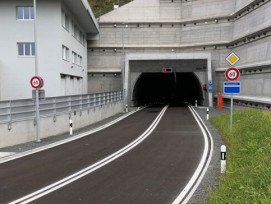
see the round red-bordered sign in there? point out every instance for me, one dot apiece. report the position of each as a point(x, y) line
point(232, 74)
point(36, 82)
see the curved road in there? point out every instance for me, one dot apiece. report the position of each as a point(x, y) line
point(155, 171)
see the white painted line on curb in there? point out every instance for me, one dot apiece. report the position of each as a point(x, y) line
point(198, 175)
point(43, 148)
point(59, 184)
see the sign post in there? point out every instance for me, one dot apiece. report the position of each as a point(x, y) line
point(231, 87)
point(37, 83)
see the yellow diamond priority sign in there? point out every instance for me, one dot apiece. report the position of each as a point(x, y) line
point(232, 58)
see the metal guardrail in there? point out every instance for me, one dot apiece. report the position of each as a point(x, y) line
point(20, 110)
point(249, 101)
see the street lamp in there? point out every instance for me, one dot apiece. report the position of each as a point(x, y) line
point(36, 74)
point(124, 25)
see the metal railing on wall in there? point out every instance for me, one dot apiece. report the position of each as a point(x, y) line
point(20, 110)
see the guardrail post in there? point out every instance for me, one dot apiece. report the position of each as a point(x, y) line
point(54, 111)
point(88, 101)
point(81, 104)
point(9, 112)
point(223, 159)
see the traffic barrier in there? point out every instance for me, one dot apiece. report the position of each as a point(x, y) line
point(219, 100)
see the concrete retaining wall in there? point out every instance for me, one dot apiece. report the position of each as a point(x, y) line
point(24, 131)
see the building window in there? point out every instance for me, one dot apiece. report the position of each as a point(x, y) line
point(26, 49)
point(65, 21)
point(79, 60)
point(25, 12)
point(65, 53)
point(75, 31)
point(74, 58)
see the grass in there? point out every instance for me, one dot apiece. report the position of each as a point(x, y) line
point(101, 7)
point(248, 176)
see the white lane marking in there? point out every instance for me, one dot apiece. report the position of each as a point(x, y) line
point(6, 154)
point(36, 150)
point(59, 184)
point(201, 169)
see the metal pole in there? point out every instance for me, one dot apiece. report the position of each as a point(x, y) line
point(37, 74)
point(123, 66)
point(231, 117)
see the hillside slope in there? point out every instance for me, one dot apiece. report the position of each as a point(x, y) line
point(101, 7)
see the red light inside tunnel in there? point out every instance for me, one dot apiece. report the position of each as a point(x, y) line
point(167, 70)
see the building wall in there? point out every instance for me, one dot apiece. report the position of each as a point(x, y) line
point(216, 27)
point(14, 83)
point(163, 10)
point(17, 71)
point(77, 85)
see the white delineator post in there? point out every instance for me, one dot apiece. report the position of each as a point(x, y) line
point(196, 103)
point(70, 127)
point(223, 159)
point(126, 108)
point(207, 114)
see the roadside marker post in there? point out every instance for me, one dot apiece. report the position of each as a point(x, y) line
point(196, 103)
point(71, 127)
point(207, 114)
point(223, 159)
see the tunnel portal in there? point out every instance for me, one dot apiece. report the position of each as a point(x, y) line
point(174, 88)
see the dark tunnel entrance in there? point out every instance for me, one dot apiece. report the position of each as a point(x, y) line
point(167, 88)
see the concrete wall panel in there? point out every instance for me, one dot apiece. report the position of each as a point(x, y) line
point(255, 21)
point(24, 131)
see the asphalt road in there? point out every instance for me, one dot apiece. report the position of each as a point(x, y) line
point(155, 171)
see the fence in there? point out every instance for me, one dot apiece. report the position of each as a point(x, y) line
point(20, 110)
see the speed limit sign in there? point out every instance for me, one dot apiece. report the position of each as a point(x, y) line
point(36, 82)
point(232, 74)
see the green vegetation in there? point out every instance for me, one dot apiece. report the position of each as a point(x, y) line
point(101, 7)
point(248, 176)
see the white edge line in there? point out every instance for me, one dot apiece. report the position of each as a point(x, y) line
point(59, 184)
point(198, 170)
point(40, 149)
point(207, 164)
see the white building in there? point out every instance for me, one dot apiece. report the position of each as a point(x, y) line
point(62, 30)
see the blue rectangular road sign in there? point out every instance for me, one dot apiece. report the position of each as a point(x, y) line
point(232, 87)
point(210, 86)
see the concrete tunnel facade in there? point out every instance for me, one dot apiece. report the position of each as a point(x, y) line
point(146, 83)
